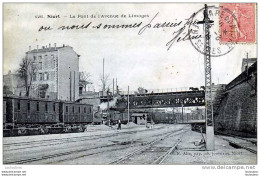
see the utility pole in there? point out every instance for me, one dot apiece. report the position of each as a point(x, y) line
point(116, 87)
point(182, 113)
point(246, 64)
point(128, 106)
point(108, 115)
point(103, 75)
point(210, 143)
point(113, 87)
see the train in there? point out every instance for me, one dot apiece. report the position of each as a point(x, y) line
point(111, 117)
point(24, 115)
point(33, 116)
point(163, 117)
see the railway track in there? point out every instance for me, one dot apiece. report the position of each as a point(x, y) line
point(248, 140)
point(160, 159)
point(51, 142)
point(149, 145)
point(238, 145)
point(29, 160)
point(74, 152)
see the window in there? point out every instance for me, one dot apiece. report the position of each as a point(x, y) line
point(67, 109)
point(46, 107)
point(85, 109)
point(34, 58)
point(54, 108)
point(28, 106)
point(34, 77)
point(41, 76)
point(40, 65)
point(42, 94)
point(34, 66)
point(73, 109)
point(79, 109)
point(48, 62)
point(18, 105)
point(37, 106)
point(46, 76)
point(53, 63)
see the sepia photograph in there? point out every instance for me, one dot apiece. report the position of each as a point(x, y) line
point(130, 84)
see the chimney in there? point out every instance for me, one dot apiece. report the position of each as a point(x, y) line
point(37, 47)
point(55, 46)
point(30, 48)
point(49, 46)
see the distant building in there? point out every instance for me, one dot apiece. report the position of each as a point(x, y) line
point(12, 84)
point(139, 118)
point(57, 72)
point(247, 62)
point(90, 97)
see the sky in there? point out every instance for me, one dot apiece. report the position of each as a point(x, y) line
point(135, 60)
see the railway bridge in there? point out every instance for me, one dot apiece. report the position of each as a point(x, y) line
point(158, 100)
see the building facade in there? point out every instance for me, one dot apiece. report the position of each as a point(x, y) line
point(246, 63)
point(57, 75)
point(12, 84)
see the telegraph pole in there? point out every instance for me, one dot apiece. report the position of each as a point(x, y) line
point(113, 87)
point(128, 114)
point(182, 113)
point(103, 77)
point(210, 143)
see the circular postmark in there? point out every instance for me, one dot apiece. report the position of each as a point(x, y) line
point(217, 49)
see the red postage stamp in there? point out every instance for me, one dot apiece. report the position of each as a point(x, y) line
point(237, 23)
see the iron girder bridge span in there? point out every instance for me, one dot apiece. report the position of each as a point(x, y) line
point(161, 100)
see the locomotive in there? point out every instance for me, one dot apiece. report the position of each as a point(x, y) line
point(22, 115)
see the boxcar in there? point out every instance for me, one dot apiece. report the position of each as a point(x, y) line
point(76, 113)
point(28, 112)
point(22, 111)
point(122, 116)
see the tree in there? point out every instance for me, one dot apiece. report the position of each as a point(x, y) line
point(105, 82)
point(27, 72)
point(141, 90)
point(84, 78)
point(6, 90)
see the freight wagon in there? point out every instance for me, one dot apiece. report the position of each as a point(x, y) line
point(23, 114)
point(113, 116)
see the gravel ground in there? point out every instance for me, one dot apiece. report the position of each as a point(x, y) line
point(188, 153)
point(102, 145)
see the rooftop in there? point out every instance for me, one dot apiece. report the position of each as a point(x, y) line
point(45, 49)
point(249, 59)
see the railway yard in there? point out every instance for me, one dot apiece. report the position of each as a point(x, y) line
point(134, 144)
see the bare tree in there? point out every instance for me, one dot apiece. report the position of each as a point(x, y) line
point(105, 82)
point(141, 90)
point(27, 72)
point(84, 78)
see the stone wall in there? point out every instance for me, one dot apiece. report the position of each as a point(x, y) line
point(238, 108)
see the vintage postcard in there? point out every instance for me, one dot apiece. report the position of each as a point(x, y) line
point(130, 84)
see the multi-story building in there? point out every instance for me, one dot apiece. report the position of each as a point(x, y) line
point(57, 74)
point(247, 62)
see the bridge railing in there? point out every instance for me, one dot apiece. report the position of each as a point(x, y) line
point(180, 89)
